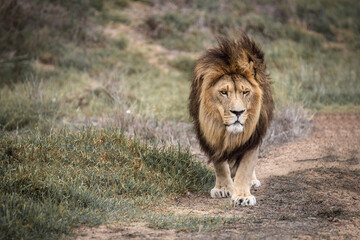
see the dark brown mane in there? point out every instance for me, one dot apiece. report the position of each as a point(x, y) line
point(226, 59)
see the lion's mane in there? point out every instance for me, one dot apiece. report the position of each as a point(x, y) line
point(230, 57)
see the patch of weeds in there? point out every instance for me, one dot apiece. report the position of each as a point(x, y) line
point(121, 43)
point(76, 59)
point(130, 64)
point(183, 63)
point(121, 3)
point(108, 17)
point(172, 30)
point(167, 26)
point(26, 105)
point(90, 177)
point(14, 69)
point(97, 4)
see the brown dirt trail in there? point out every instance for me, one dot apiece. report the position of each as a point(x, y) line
point(310, 189)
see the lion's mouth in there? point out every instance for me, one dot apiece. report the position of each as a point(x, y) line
point(235, 127)
point(234, 123)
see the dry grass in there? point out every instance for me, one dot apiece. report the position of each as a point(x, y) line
point(289, 123)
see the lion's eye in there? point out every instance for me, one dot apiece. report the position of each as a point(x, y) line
point(225, 93)
point(246, 92)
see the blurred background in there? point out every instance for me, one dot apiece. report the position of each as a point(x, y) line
point(94, 125)
point(94, 61)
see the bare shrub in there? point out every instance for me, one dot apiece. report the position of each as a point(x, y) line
point(289, 123)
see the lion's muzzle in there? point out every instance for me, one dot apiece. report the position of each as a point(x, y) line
point(236, 127)
point(237, 123)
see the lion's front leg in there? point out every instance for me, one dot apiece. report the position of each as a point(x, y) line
point(244, 179)
point(224, 184)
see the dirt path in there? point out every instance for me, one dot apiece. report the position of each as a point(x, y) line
point(310, 189)
point(336, 138)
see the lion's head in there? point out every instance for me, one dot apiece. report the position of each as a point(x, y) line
point(230, 99)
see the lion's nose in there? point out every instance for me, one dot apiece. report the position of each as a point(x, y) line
point(237, 113)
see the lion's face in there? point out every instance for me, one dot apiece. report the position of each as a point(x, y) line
point(232, 96)
point(233, 103)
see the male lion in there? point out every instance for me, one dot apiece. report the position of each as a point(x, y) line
point(232, 106)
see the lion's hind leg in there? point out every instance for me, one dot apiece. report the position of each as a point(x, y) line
point(254, 181)
point(224, 184)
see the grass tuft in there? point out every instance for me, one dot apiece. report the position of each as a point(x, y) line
point(26, 105)
point(121, 43)
point(185, 64)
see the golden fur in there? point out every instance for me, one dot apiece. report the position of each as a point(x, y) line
point(232, 106)
point(235, 60)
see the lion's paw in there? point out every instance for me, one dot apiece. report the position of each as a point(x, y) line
point(244, 201)
point(220, 193)
point(255, 183)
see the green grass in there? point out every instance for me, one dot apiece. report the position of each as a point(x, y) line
point(184, 64)
point(26, 105)
point(172, 31)
point(121, 43)
point(316, 78)
point(51, 183)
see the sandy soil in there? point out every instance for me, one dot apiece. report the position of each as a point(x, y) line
point(310, 189)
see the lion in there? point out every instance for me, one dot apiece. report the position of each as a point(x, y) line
point(231, 106)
